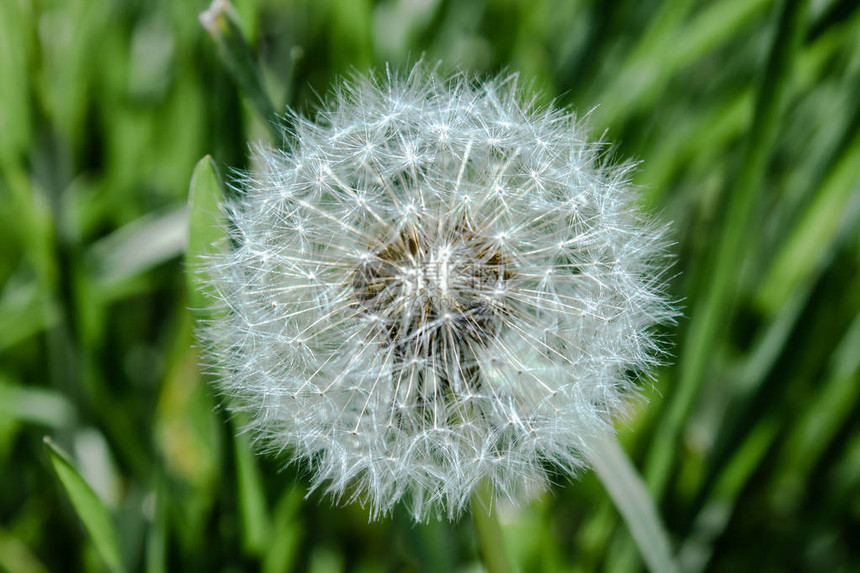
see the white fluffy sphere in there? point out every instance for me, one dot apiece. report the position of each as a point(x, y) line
point(437, 283)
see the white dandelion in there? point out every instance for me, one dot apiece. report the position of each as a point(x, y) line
point(438, 283)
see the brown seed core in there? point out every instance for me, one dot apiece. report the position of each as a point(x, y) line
point(426, 277)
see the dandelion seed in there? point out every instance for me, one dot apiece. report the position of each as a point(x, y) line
point(412, 307)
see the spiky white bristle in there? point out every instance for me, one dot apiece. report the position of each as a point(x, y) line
point(436, 284)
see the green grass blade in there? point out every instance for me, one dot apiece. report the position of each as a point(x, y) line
point(709, 314)
point(253, 506)
point(16, 556)
point(35, 405)
point(220, 20)
point(836, 396)
point(156, 540)
point(282, 553)
point(717, 511)
point(88, 506)
point(820, 419)
point(494, 553)
point(139, 246)
point(204, 229)
point(25, 310)
point(819, 228)
point(351, 39)
point(652, 66)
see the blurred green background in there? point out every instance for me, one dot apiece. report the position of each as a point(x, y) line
point(745, 115)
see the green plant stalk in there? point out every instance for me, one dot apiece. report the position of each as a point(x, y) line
point(489, 532)
point(631, 498)
point(709, 314)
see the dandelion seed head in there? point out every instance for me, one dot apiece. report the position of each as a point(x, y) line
point(437, 283)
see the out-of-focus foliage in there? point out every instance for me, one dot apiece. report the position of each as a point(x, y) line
point(107, 106)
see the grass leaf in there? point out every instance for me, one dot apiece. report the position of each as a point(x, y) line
point(709, 312)
point(204, 227)
point(88, 506)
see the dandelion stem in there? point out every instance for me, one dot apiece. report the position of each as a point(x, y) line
point(489, 531)
point(628, 492)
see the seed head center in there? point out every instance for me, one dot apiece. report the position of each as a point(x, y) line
point(425, 278)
